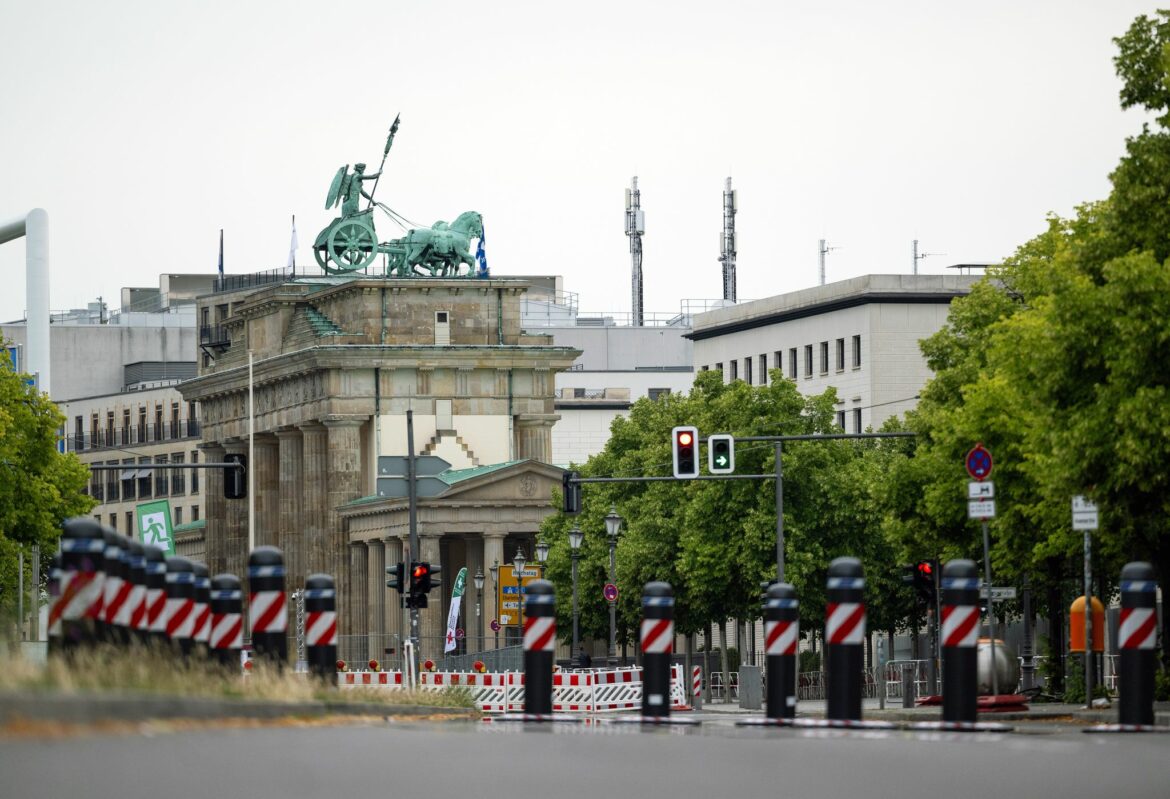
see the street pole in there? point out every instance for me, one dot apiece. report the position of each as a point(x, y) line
point(36, 592)
point(779, 512)
point(20, 594)
point(612, 605)
point(573, 654)
point(1088, 623)
point(990, 608)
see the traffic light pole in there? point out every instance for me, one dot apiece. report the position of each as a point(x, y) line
point(412, 501)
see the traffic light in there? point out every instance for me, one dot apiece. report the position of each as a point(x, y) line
point(721, 454)
point(235, 478)
point(925, 572)
point(396, 577)
point(421, 582)
point(686, 451)
point(571, 492)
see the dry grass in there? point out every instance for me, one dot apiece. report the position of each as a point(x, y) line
point(151, 671)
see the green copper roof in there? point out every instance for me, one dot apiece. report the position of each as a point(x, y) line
point(190, 526)
point(453, 476)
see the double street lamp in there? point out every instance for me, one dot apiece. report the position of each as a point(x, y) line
point(518, 562)
point(576, 537)
point(613, 526)
point(495, 570)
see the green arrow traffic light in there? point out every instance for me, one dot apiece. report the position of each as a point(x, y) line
point(721, 454)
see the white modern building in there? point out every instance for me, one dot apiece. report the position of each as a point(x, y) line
point(860, 336)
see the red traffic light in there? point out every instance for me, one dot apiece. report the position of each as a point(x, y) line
point(925, 568)
point(685, 438)
point(420, 571)
point(685, 443)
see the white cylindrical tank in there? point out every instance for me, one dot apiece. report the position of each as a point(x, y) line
point(1007, 671)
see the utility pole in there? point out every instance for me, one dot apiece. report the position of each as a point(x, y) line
point(727, 241)
point(918, 256)
point(412, 494)
point(635, 227)
point(822, 251)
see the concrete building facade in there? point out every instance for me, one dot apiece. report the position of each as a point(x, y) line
point(860, 336)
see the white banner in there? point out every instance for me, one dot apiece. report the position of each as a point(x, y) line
point(453, 614)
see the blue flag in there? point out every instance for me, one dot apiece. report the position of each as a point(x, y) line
point(481, 257)
point(221, 252)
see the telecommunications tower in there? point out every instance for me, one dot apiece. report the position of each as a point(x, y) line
point(727, 241)
point(635, 227)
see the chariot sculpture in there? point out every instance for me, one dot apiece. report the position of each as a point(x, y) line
point(350, 242)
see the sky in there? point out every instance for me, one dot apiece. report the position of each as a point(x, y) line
point(143, 128)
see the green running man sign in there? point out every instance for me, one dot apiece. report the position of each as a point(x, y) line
point(154, 525)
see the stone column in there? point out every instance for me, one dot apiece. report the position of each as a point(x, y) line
point(376, 604)
point(493, 552)
point(236, 542)
point(267, 482)
point(432, 623)
point(291, 537)
point(214, 509)
point(356, 609)
point(534, 436)
point(344, 484)
point(315, 473)
point(392, 598)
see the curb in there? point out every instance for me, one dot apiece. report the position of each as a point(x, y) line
point(91, 708)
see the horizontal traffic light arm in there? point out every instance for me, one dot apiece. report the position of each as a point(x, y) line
point(101, 467)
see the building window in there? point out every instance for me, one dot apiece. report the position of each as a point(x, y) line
point(442, 328)
point(747, 370)
point(141, 424)
point(94, 436)
point(763, 370)
point(194, 472)
point(778, 355)
point(719, 369)
point(194, 513)
point(114, 522)
point(840, 355)
point(857, 352)
point(109, 428)
point(857, 420)
point(125, 427)
point(175, 430)
point(792, 363)
point(657, 393)
point(161, 488)
point(824, 357)
point(841, 420)
point(158, 423)
point(78, 434)
point(130, 523)
point(734, 370)
point(192, 420)
point(112, 483)
point(808, 360)
point(178, 476)
point(144, 482)
point(178, 514)
point(128, 475)
point(97, 486)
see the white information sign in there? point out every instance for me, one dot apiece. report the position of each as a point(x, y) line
point(981, 509)
point(980, 490)
point(998, 593)
point(1084, 514)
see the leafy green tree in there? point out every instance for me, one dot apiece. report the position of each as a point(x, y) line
point(39, 487)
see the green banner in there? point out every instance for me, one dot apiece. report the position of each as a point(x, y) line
point(154, 525)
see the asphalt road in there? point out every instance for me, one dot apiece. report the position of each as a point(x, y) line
point(426, 759)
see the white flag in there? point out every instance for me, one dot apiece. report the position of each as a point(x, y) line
point(453, 614)
point(292, 249)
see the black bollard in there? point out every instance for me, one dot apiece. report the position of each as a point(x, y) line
point(1136, 637)
point(267, 606)
point(540, 640)
point(657, 641)
point(227, 620)
point(202, 632)
point(781, 633)
point(844, 637)
point(180, 609)
point(103, 624)
point(138, 626)
point(156, 595)
point(53, 586)
point(321, 626)
point(959, 636)
point(82, 552)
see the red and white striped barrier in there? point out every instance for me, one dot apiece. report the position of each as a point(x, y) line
point(696, 680)
point(79, 592)
point(227, 631)
point(269, 612)
point(362, 679)
point(845, 623)
point(1137, 629)
point(321, 629)
point(960, 625)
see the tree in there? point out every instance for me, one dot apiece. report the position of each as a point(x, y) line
point(40, 487)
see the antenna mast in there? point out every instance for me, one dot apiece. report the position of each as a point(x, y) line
point(727, 241)
point(635, 227)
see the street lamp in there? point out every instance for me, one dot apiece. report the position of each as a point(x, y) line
point(479, 603)
point(495, 570)
point(613, 526)
point(575, 539)
point(541, 551)
point(518, 561)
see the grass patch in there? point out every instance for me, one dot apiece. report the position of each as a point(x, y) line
point(155, 671)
